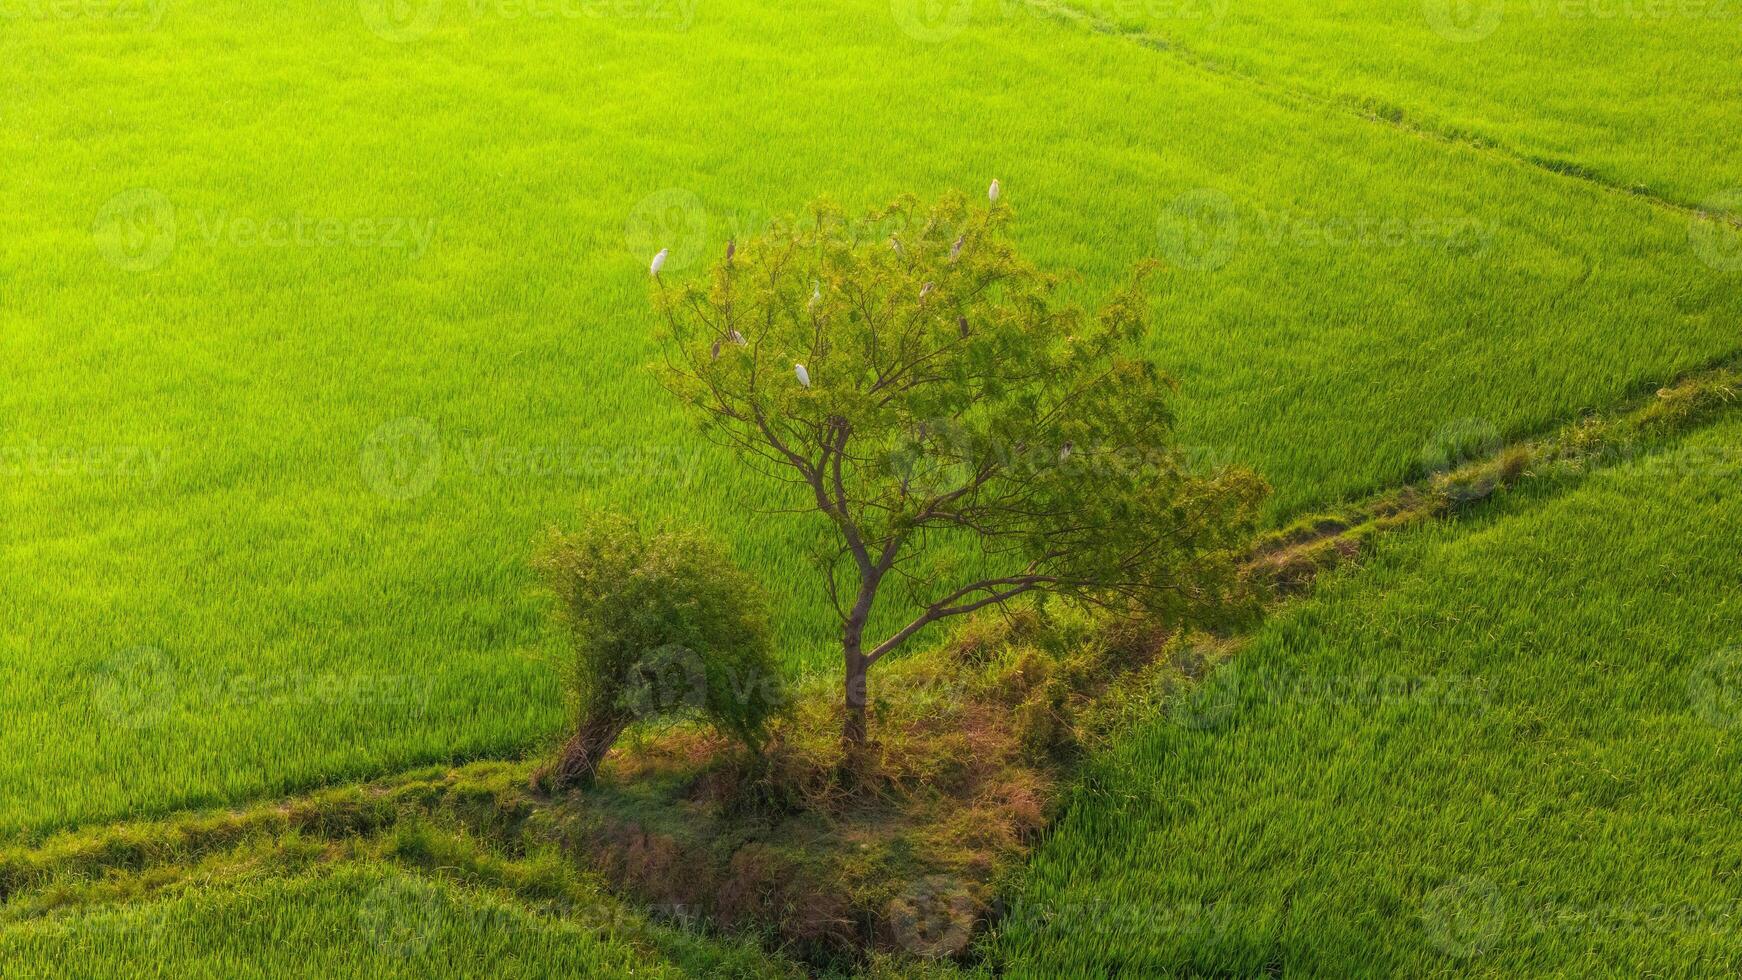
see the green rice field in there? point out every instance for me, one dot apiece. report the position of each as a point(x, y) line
point(1503, 749)
point(356, 922)
point(315, 313)
point(304, 468)
point(1631, 93)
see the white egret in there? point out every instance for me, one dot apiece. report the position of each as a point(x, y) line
point(804, 377)
point(738, 338)
point(955, 250)
point(1064, 452)
point(925, 290)
point(993, 191)
point(659, 261)
point(816, 294)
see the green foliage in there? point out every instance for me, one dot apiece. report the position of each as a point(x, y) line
point(927, 389)
point(661, 626)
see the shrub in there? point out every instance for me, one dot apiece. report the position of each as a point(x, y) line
point(661, 626)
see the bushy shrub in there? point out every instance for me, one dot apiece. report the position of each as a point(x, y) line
point(658, 626)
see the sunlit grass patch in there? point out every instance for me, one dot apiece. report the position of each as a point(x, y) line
point(1502, 747)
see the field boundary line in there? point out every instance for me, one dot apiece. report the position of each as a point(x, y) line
point(1639, 427)
point(1395, 116)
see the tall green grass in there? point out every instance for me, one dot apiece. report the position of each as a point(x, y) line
point(270, 481)
point(358, 921)
point(1639, 94)
point(1503, 748)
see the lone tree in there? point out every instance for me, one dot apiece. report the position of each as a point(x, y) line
point(970, 437)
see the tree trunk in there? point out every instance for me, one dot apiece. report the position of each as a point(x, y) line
point(578, 765)
point(853, 730)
